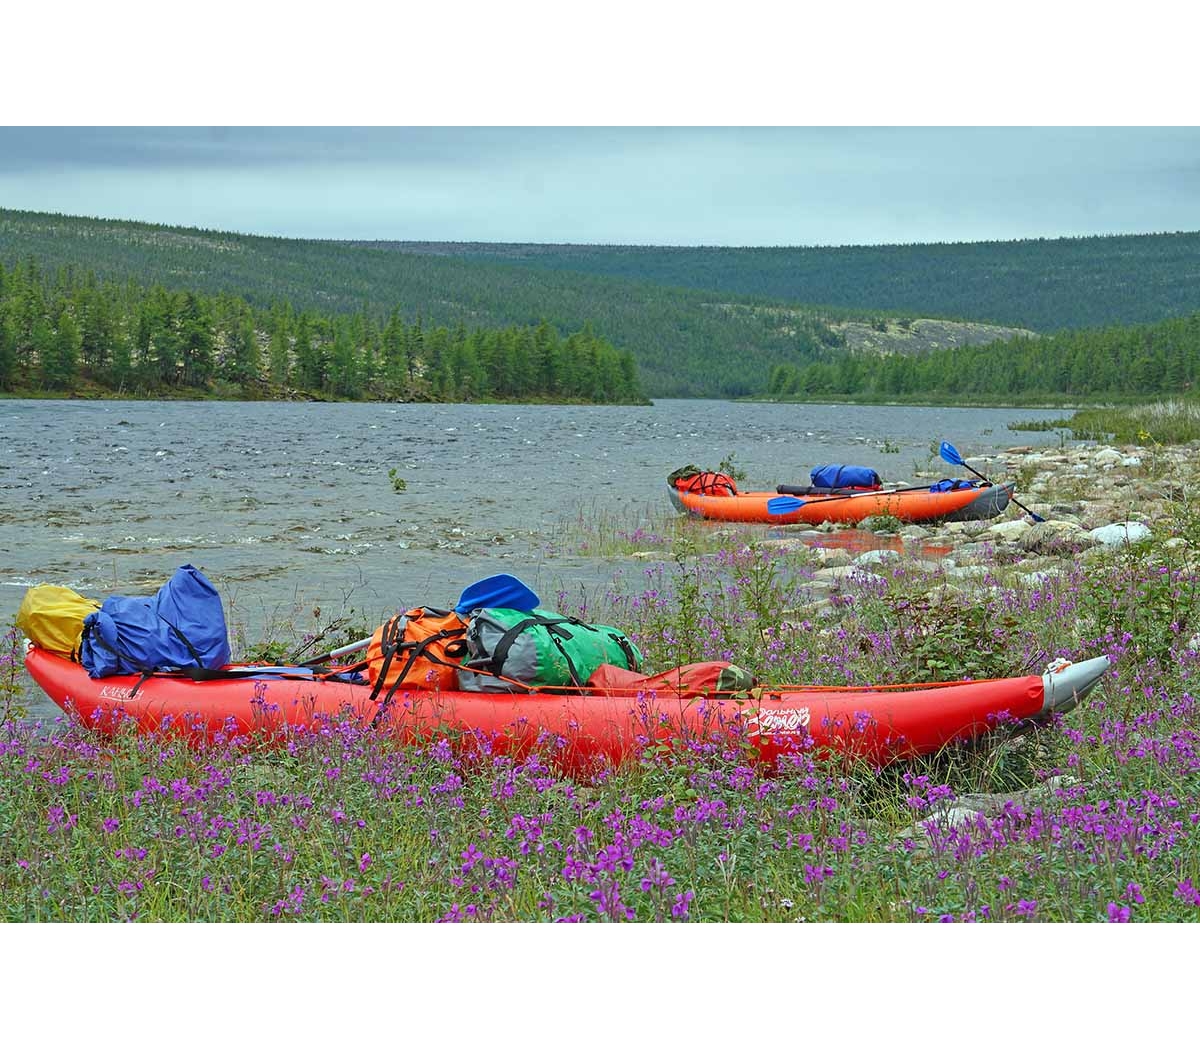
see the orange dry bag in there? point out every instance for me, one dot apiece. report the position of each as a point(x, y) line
point(410, 651)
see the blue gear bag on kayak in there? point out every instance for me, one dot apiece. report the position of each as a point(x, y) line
point(837, 476)
point(951, 485)
point(183, 625)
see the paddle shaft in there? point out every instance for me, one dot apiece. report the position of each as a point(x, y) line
point(1036, 517)
point(515, 595)
point(335, 653)
point(796, 503)
point(820, 498)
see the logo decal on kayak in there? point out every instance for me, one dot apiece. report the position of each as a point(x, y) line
point(780, 720)
point(116, 692)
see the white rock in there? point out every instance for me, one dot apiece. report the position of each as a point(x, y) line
point(837, 573)
point(968, 572)
point(877, 557)
point(1010, 530)
point(1036, 579)
point(1131, 461)
point(1120, 533)
point(1107, 457)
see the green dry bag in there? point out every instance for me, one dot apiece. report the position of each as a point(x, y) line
point(538, 648)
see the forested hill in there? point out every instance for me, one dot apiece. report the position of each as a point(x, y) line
point(68, 332)
point(686, 342)
point(1117, 362)
point(1046, 285)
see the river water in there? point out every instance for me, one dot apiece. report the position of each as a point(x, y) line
point(290, 505)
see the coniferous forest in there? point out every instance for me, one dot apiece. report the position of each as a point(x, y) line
point(1045, 284)
point(69, 331)
point(1089, 364)
point(687, 343)
point(151, 309)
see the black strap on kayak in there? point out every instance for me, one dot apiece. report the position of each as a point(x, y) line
point(98, 639)
point(556, 632)
point(225, 674)
point(815, 490)
point(392, 644)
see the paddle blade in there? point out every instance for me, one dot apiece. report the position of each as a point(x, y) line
point(950, 454)
point(501, 591)
point(783, 504)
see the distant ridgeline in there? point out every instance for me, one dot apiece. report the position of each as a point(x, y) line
point(68, 331)
point(1155, 359)
point(1043, 284)
point(687, 343)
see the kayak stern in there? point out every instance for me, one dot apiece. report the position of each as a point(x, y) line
point(1064, 686)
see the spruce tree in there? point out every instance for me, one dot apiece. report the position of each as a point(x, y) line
point(279, 366)
point(8, 349)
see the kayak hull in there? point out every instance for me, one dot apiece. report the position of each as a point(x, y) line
point(585, 731)
point(973, 504)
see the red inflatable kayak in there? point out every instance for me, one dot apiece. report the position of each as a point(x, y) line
point(877, 723)
point(966, 504)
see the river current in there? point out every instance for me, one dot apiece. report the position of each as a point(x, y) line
point(291, 505)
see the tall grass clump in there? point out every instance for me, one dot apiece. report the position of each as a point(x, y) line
point(1173, 422)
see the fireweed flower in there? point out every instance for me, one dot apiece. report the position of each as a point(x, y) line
point(679, 910)
point(1188, 893)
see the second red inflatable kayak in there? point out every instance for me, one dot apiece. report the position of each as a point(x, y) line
point(973, 503)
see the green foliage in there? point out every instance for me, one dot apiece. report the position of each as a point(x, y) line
point(727, 466)
point(12, 651)
point(881, 523)
point(151, 340)
point(398, 483)
point(951, 636)
point(1094, 364)
point(1039, 425)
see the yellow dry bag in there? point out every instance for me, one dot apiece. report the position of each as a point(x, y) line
point(52, 618)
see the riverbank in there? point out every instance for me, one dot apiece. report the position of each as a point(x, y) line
point(1092, 817)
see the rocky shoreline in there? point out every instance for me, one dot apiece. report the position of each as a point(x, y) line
point(1094, 498)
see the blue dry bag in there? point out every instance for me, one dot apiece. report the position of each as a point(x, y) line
point(183, 625)
point(951, 485)
point(837, 476)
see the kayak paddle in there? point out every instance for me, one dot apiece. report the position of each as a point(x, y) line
point(500, 591)
point(950, 454)
point(787, 504)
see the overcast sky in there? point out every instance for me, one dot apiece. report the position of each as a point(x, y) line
point(683, 186)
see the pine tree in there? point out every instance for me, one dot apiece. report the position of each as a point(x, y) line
point(279, 366)
point(8, 348)
point(196, 342)
point(60, 367)
point(310, 365)
point(243, 363)
point(121, 371)
point(343, 370)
